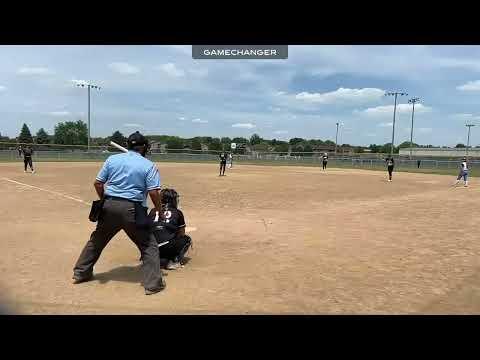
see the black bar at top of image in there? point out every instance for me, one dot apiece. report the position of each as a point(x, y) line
point(324, 24)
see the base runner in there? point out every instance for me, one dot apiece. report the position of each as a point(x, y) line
point(463, 173)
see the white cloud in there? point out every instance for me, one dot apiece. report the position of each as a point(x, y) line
point(33, 71)
point(199, 121)
point(132, 125)
point(123, 68)
point(279, 132)
point(244, 125)
point(80, 82)
point(171, 70)
point(424, 130)
point(2, 88)
point(59, 113)
point(470, 86)
point(388, 110)
point(343, 95)
point(280, 93)
point(465, 117)
point(385, 124)
point(181, 118)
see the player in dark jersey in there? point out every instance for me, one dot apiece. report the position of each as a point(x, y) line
point(27, 158)
point(170, 232)
point(223, 163)
point(325, 161)
point(390, 165)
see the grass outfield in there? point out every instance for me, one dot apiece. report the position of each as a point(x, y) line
point(332, 165)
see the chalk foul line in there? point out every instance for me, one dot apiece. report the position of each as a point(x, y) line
point(46, 190)
point(188, 229)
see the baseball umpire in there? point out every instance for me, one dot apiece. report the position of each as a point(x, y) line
point(129, 177)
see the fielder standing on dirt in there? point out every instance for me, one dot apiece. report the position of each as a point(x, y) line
point(27, 158)
point(129, 178)
point(324, 161)
point(463, 173)
point(390, 165)
point(223, 163)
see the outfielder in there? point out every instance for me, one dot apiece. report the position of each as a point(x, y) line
point(27, 158)
point(223, 163)
point(463, 173)
point(324, 161)
point(390, 166)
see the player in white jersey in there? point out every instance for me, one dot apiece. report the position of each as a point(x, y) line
point(463, 173)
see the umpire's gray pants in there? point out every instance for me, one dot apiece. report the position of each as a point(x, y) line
point(120, 215)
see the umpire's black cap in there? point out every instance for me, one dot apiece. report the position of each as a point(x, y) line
point(136, 139)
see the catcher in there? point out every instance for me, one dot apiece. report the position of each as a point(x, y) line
point(170, 234)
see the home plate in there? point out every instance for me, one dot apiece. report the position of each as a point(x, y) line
point(190, 229)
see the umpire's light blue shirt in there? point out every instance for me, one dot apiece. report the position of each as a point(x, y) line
point(129, 176)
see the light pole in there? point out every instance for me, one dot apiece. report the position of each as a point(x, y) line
point(88, 86)
point(336, 139)
point(412, 101)
point(468, 137)
point(396, 93)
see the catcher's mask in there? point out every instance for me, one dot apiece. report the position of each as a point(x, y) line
point(170, 198)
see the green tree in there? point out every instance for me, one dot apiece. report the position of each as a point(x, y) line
point(215, 145)
point(71, 133)
point(255, 139)
point(226, 141)
point(117, 137)
point(196, 144)
point(458, 146)
point(282, 148)
point(307, 149)
point(329, 142)
point(239, 140)
point(174, 143)
point(25, 135)
point(406, 144)
point(42, 137)
point(296, 141)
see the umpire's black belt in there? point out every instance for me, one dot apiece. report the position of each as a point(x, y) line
point(116, 198)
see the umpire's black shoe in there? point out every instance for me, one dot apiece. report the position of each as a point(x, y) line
point(78, 280)
point(151, 292)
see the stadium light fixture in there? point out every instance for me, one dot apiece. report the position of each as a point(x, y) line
point(412, 101)
point(469, 126)
point(395, 94)
point(89, 86)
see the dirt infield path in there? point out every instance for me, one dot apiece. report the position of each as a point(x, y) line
point(268, 240)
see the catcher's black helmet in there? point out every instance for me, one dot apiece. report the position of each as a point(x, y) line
point(170, 198)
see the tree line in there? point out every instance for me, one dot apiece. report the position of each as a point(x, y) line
point(76, 133)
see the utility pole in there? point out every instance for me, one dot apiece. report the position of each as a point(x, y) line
point(395, 94)
point(88, 86)
point(336, 139)
point(468, 137)
point(412, 101)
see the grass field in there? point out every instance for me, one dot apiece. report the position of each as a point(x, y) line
point(269, 239)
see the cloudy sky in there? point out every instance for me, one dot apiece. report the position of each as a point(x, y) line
point(162, 90)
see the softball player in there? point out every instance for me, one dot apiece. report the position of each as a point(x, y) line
point(324, 161)
point(27, 158)
point(223, 163)
point(390, 166)
point(463, 173)
point(170, 232)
